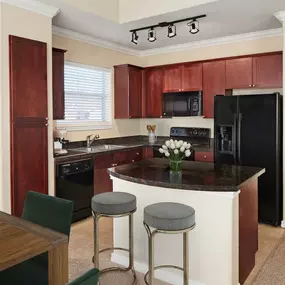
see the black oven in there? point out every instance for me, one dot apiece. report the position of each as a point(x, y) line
point(75, 182)
point(182, 104)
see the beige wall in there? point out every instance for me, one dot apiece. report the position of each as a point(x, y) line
point(108, 9)
point(19, 22)
point(92, 55)
point(283, 223)
point(131, 10)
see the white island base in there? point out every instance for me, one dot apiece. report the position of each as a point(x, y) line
point(214, 242)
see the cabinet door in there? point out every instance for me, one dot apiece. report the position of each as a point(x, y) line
point(213, 84)
point(102, 181)
point(135, 155)
point(204, 156)
point(29, 161)
point(121, 89)
point(147, 153)
point(58, 83)
point(135, 92)
point(239, 73)
point(192, 77)
point(172, 79)
point(28, 78)
point(267, 71)
point(154, 89)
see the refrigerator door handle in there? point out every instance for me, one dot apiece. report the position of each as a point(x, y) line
point(234, 139)
point(239, 138)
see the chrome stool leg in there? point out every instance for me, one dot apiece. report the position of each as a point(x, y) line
point(97, 252)
point(151, 266)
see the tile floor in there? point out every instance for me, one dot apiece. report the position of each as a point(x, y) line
point(81, 246)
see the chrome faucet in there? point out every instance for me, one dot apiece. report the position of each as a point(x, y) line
point(89, 141)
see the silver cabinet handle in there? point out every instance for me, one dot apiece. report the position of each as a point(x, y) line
point(138, 153)
point(46, 118)
point(46, 125)
point(253, 85)
point(114, 164)
point(205, 156)
point(250, 85)
point(133, 160)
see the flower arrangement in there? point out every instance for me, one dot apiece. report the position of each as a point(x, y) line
point(176, 151)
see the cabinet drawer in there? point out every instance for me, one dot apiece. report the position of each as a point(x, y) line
point(204, 156)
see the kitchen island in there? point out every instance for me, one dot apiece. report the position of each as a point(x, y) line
point(225, 239)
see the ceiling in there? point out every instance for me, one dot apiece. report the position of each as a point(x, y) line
point(224, 18)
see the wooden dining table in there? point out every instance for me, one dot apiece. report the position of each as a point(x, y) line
point(21, 240)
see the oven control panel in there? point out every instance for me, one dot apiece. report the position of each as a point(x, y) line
point(190, 132)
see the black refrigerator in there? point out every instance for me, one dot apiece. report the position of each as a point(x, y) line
point(248, 132)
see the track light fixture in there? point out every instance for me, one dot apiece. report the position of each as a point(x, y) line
point(171, 28)
point(135, 37)
point(151, 35)
point(171, 31)
point(194, 26)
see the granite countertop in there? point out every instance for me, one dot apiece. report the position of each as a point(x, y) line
point(127, 142)
point(197, 176)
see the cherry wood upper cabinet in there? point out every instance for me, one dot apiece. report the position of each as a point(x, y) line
point(239, 73)
point(172, 79)
point(128, 91)
point(154, 89)
point(28, 111)
point(58, 83)
point(28, 78)
point(192, 77)
point(214, 83)
point(267, 71)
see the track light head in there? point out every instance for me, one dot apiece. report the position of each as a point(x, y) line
point(194, 26)
point(171, 31)
point(151, 35)
point(135, 37)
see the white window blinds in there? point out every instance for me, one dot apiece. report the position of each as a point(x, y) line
point(88, 101)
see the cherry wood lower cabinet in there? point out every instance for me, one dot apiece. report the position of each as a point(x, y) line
point(147, 152)
point(29, 161)
point(28, 117)
point(102, 181)
point(58, 83)
point(204, 156)
point(213, 83)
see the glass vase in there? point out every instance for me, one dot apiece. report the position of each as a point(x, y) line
point(175, 166)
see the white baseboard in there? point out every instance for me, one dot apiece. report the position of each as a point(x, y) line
point(283, 224)
point(164, 275)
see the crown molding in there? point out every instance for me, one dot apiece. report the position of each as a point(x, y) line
point(214, 42)
point(92, 40)
point(34, 6)
point(280, 16)
point(174, 48)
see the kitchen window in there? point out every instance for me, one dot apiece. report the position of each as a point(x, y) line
point(88, 102)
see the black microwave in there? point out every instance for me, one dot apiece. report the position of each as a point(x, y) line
point(182, 104)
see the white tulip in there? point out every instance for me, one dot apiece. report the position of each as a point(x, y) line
point(172, 146)
point(188, 146)
point(161, 150)
point(167, 154)
point(181, 142)
point(176, 151)
point(164, 147)
point(185, 144)
point(171, 141)
point(187, 153)
point(182, 149)
point(167, 143)
point(177, 144)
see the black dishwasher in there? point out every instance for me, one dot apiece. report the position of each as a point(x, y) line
point(75, 182)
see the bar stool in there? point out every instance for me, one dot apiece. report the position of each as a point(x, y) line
point(114, 205)
point(168, 218)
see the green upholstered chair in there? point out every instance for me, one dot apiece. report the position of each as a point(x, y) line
point(49, 212)
point(91, 277)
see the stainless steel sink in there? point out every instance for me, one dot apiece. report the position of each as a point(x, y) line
point(98, 148)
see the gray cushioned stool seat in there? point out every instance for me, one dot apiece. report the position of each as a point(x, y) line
point(114, 203)
point(169, 216)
